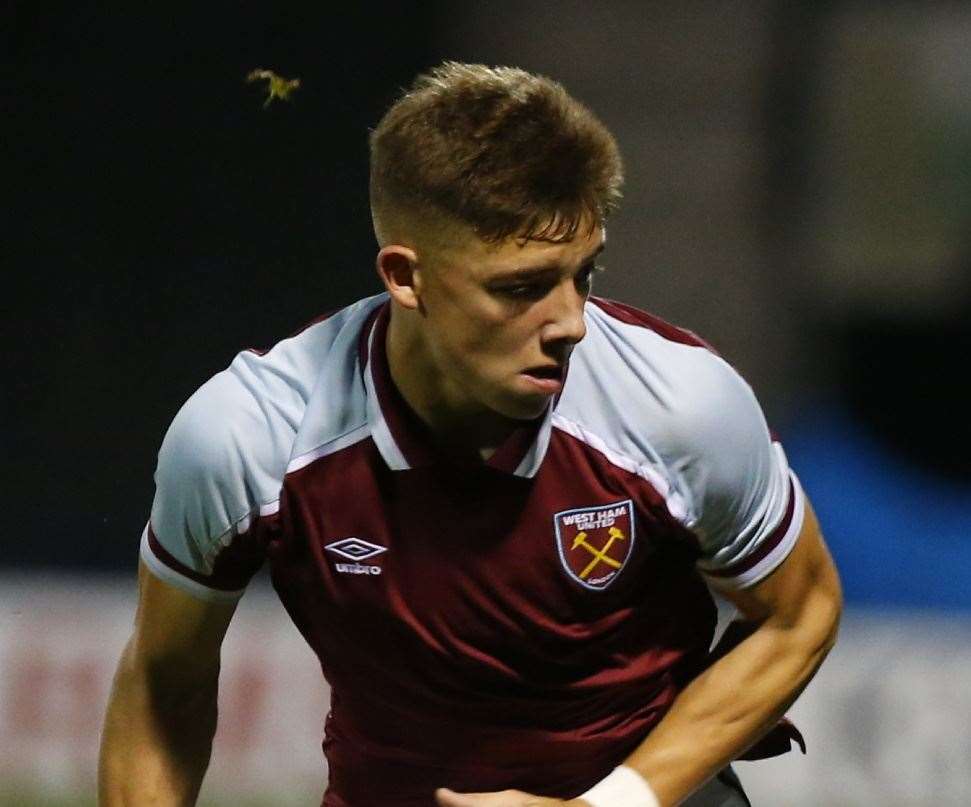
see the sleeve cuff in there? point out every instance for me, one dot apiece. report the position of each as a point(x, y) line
point(166, 568)
point(771, 552)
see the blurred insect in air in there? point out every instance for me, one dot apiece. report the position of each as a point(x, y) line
point(277, 86)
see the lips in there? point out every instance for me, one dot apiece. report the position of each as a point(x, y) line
point(551, 371)
point(546, 379)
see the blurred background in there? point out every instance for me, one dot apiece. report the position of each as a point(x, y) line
point(798, 192)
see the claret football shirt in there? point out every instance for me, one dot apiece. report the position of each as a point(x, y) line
point(521, 622)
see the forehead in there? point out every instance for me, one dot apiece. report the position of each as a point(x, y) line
point(484, 259)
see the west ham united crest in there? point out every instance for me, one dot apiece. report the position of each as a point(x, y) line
point(595, 542)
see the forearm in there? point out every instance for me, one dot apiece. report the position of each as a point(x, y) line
point(731, 705)
point(712, 721)
point(157, 738)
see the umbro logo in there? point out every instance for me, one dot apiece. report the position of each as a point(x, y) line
point(356, 549)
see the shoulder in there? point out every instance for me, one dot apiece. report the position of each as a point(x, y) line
point(605, 310)
point(243, 419)
point(664, 394)
point(225, 454)
point(661, 380)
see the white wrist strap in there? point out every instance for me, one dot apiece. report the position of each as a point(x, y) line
point(623, 787)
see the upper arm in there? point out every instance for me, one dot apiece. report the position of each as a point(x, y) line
point(217, 467)
point(759, 540)
point(804, 591)
point(162, 712)
point(761, 545)
point(176, 634)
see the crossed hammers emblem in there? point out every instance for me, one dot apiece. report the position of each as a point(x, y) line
point(599, 555)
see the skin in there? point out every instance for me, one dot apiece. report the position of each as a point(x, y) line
point(470, 318)
point(161, 715)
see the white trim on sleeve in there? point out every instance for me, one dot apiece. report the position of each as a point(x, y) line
point(779, 552)
point(169, 575)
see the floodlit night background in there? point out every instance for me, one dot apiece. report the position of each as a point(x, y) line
point(798, 192)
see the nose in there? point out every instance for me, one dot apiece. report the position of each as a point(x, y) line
point(565, 318)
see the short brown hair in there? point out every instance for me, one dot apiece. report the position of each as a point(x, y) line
point(503, 151)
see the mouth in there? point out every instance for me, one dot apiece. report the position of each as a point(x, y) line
point(547, 378)
point(546, 371)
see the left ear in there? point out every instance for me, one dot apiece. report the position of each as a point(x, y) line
point(398, 269)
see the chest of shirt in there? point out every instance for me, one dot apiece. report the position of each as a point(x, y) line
point(473, 556)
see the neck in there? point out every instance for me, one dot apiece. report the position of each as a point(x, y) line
point(460, 427)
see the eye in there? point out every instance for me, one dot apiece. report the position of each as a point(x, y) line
point(525, 291)
point(584, 277)
point(538, 289)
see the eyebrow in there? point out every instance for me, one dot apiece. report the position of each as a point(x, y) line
point(539, 271)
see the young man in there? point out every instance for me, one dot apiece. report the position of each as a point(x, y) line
point(492, 504)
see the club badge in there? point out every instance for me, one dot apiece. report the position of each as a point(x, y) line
point(594, 543)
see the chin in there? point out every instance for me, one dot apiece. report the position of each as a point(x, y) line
point(524, 408)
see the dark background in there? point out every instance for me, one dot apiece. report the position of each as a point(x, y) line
point(165, 220)
point(161, 220)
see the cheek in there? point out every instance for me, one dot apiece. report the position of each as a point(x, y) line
point(474, 329)
point(499, 348)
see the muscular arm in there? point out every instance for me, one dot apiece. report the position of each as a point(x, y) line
point(740, 697)
point(162, 712)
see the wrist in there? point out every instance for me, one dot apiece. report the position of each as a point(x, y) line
point(622, 787)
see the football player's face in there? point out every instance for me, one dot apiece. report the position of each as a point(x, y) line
point(500, 320)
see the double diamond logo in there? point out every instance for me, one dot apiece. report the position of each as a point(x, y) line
point(355, 548)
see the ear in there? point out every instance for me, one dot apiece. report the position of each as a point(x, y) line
point(398, 269)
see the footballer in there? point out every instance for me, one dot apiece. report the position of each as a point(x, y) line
point(526, 497)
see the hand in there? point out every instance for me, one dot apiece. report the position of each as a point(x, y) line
point(504, 798)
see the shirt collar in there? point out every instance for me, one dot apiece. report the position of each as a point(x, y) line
point(405, 441)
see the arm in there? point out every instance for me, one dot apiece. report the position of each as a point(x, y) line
point(161, 715)
point(740, 697)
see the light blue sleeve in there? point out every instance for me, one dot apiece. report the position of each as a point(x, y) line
point(745, 505)
point(687, 421)
point(219, 472)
